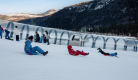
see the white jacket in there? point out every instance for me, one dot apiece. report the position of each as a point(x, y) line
point(47, 36)
point(16, 31)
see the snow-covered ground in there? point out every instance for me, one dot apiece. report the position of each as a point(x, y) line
point(59, 65)
point(24, 14)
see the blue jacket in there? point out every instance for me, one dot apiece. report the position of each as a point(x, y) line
point(1, 30)
point(28, 46)
point(7, 32)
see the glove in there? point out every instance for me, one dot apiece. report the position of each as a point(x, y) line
point(29, 53)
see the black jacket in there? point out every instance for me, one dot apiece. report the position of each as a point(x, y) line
point(102, 52)
point(37, 36)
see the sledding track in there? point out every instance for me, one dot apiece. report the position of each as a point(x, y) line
point(61, 37)
point(59, 65)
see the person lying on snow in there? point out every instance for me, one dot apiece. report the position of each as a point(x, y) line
point(107, 54)
point(7, 35)
point(30, 50)
point(77, 52)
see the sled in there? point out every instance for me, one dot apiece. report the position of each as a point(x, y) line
point(36, 53)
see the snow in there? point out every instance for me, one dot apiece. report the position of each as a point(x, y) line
point(33, 15)
point(124, 10)
point(104, 2)
point(23, 14)
point(98, 7)
point(90, 5)
point(59, 65)
point(70, 8)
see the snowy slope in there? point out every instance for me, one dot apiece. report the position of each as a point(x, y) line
point(24, 14)
point(59, 65)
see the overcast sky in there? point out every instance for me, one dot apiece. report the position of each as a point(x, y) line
point(34, 6)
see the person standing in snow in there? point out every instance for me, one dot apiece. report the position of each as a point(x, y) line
point(37, 37)
point(77, 52)
point(30, 50)
point(47, 37)
point(1, 31)
point(16, 33)
point(44, 38)
point(7, 35)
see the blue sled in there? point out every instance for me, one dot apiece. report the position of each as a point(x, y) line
point(36, 53)
point(113, 54)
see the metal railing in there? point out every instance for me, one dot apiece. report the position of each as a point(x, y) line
point(59, 32)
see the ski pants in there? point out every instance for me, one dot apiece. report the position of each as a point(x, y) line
point(7, 37)
point(44, 40)
point(103, 52)
point(17, 37)
point(80, 53)
point(36, 48)
point(47, 40)
point(37, 39)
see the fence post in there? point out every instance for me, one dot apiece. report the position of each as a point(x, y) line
point(115, 47)
point(136, 48)
point(104, 45)
point(125, 47)
point(21, 36)
point(27, 35)
point(93, 44)
point(11, 35)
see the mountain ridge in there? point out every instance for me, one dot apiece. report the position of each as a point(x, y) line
point(15, 17)
point(97, 13)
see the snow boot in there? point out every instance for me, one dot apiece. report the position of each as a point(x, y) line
point(116, 54)
point(45, 53)
point(87, 53)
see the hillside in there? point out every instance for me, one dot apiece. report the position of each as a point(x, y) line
point(15, 17)
point(97, 13)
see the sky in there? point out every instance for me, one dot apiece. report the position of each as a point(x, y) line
point(34, 6)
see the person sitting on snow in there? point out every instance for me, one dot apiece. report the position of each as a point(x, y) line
point(107, 54)
point(77, 52)
point(30, 50)
point(7, 35)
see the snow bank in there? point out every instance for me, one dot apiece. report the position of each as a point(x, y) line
point(59, 65)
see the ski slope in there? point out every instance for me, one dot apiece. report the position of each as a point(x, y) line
point(59, 65)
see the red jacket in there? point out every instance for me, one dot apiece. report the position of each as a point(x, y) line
point(2, 29)
point(75, 53)
point(70, 50)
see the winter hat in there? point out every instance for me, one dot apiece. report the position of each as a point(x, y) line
point(69, 47)
point(31, 38)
